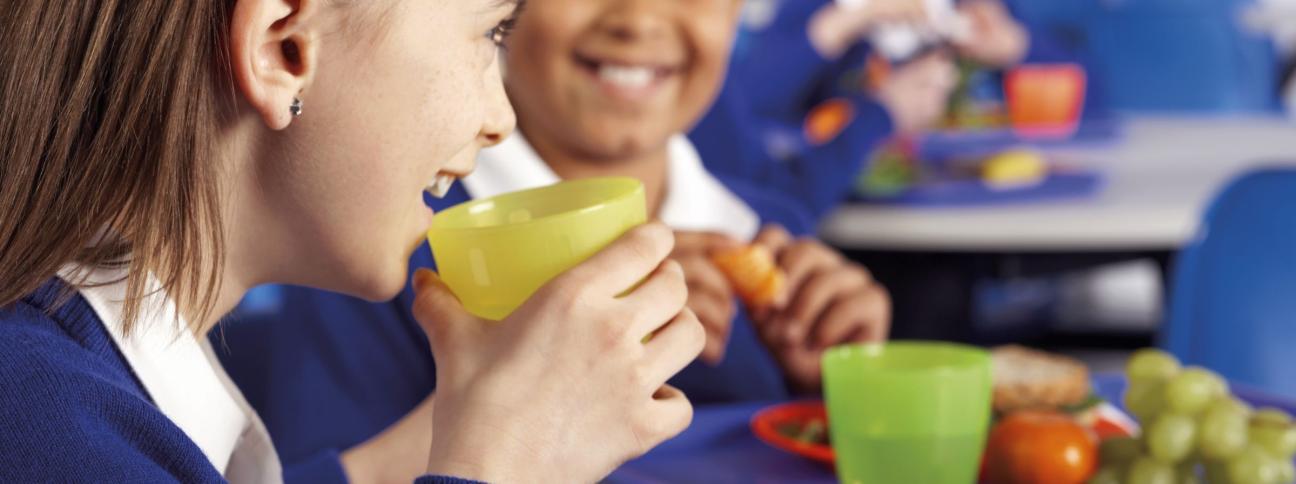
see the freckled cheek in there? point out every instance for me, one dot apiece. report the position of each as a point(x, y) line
point(452, 117)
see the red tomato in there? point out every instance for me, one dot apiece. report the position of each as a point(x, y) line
point(1037, 447)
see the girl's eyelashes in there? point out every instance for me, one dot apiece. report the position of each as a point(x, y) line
point(501, 32)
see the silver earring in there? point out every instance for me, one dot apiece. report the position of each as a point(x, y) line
point(295, 108)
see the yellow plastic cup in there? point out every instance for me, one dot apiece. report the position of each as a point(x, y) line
point(495, 252)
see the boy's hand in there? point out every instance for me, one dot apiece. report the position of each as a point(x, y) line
point(710, 296)
point(832, 301)
point(996, 39)
point(834, 28)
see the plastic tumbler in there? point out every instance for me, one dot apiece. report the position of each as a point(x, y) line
point(1045, 100)
point(907, 412)
point(495, 252)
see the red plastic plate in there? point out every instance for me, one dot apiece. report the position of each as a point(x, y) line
point(766, 422)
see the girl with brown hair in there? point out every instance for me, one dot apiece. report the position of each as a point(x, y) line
point(159, 158)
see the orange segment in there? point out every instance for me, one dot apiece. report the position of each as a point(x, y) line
point(752, 272)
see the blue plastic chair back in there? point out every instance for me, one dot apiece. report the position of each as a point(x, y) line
point(1233, 301)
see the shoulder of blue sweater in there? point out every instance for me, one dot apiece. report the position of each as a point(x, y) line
point(71, 413)
point(44, 368)
point(69, 336)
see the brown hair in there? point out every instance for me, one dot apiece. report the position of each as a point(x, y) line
point(108, 110)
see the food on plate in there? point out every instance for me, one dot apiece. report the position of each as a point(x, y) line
point(1025, 378)
point(1014, 169)
point(1050, 424)
point(751, 270)
point(1195, 430)
point(813, 431)
point(1040, 447)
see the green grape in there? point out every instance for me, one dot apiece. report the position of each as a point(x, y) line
point(1217, 472)
point(1119, 451)
point(1272, 415)
point(1252, 466)
point(1230, 403)
point(1222, 431)
point(1145, 401)
point(1186, 473)
point(1171, 436)
point(1277, 440)
point(1151, 364)
point(1147, 470)
point(1222, 389)
point(1286, 471)
point(1192, 390)
point(1106, 475)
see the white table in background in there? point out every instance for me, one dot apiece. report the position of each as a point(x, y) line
point(1158, 179)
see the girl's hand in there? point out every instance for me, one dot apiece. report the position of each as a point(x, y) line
point(565, 389)
point(710, 295)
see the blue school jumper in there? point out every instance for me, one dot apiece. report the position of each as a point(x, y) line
point(753, 132)
point(327, 372)
point(71, 409)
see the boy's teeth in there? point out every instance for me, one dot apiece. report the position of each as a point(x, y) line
point(440, 185)
point(626, 76)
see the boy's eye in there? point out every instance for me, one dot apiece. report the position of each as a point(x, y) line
point(500, 33)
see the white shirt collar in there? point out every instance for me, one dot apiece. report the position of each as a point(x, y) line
point(184, 378)
point(694, 200)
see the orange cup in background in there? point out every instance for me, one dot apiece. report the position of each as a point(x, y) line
point(1045, 100)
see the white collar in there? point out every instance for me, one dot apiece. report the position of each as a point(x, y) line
point(694, 199)
point(183, 377)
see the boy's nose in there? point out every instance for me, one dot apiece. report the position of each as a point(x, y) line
point(629, 20)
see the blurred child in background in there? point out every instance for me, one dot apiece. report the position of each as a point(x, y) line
point(799, 93)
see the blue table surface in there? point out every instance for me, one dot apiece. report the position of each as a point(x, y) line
point(720, 448)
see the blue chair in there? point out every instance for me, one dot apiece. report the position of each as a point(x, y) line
point(1233, 301)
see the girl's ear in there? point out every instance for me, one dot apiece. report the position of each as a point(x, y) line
point(273, 54)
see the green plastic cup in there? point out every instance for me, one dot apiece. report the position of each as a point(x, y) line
point(907, 412)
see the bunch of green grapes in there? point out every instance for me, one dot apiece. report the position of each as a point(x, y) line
point(1195, 431)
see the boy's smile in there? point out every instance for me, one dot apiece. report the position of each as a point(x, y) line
point(613, 80)
point(630, 82)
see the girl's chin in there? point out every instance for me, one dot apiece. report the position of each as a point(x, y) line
point(428, 214)
point(384, 287)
